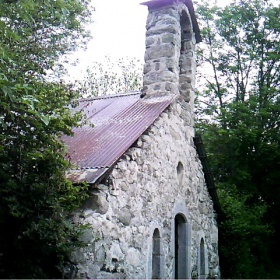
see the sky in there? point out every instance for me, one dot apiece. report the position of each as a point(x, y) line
point(118, 30)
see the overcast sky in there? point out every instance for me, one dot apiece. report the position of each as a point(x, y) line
point(118, 30)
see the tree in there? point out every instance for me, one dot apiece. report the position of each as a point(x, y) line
point(36, 198)
point(111, 77)
point(239, 121)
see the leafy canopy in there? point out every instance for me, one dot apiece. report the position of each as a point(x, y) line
point(238, 116)
point(111, 77)
point(36, 199)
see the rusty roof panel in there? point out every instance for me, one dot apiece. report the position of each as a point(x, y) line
point(118, 123)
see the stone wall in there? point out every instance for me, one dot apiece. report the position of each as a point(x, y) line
point(155, 180)
point(153, 216)
point(170, 63)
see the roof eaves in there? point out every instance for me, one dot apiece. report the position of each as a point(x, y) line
point(88, 175)
point(208, 176)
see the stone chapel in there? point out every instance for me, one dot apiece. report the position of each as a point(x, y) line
point(152, 206)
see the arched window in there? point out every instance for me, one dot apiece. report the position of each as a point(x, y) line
point(187, 59)
point(180, 247)
point(180, 173)
point(186, 34)
point(202, 259)
point(156, 260)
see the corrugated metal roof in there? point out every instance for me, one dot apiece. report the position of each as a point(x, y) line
point(118, 123)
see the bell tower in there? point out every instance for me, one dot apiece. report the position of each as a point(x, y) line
point(171, 35)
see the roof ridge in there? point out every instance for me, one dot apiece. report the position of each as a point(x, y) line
point(110, 96)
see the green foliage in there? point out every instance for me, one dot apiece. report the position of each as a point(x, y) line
point(242, 234)
point(238, 116)
point(36, 199)
point(111, 77)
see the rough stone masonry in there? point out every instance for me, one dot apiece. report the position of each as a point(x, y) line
point(153, 216)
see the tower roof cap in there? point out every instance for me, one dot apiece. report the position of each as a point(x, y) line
point(154, 4)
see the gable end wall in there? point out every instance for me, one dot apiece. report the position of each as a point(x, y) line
point(145, 192)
